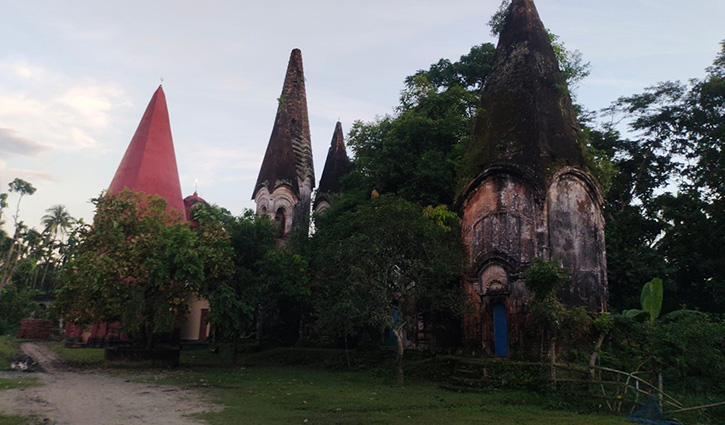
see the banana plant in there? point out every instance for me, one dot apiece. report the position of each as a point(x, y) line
point(650, 299)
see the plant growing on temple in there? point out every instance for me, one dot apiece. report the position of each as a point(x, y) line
point(382, 263)
point(545, 279)
point(137, 264)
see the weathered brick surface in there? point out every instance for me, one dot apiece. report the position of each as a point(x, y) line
point(528, 194)
point(34, 329)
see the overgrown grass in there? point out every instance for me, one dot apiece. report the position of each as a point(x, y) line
point(13, 420)
point(269, 388)
point(80, 357)
point(19, 383)
point(283, 395)
point(8, 351)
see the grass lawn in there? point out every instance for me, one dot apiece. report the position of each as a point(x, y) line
point(262, 391)
point(88, 357)
point(266, 394)
point(285, 395)
point(8, 351)
point(13, 420)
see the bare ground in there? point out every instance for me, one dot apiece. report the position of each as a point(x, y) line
point(69, 397)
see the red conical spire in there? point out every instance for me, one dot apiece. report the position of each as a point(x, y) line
point(149, 164)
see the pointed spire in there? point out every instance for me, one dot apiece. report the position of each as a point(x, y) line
point(337, 165)
point(149, 164)
point(288, 159)
point(526, 119)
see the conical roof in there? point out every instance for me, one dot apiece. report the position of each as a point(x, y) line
point(289, 151)
point(149, 164)
point(526, 120)
point(337, 163)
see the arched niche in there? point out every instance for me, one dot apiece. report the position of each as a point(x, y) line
point(493, 280)
point(499, 219)
point(278, 206)
point(576, 237)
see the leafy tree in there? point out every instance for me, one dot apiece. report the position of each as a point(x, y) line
point(545, 279)
point(265, 278)
point(665, 206)
point(10, 263)
point(415, 153)
point(137, 264)
point(383, 263)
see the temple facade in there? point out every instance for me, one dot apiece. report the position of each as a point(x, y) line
point(529, 193)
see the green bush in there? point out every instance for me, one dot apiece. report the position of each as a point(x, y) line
point(14, 306)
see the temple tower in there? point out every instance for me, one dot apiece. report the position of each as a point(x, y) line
point(337, 165)
point(149, 164)
point(287, 177)
point(528, 192)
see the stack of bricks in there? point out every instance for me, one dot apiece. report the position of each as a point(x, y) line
point(34, 329)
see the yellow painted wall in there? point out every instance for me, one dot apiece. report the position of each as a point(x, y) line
point(190, 327)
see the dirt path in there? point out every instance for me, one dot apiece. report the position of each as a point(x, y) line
point(84, 398)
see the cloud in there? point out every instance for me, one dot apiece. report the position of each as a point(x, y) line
point(8, 174)
point(57, 111)
point(12, 144)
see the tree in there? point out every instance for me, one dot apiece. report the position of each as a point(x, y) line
point(137, 264)
point(415, 153)
point(56, 220)
point(665, 206)
point(383, 263)
point(263, 278)
point(22, 188)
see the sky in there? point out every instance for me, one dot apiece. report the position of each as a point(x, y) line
point(76, 76)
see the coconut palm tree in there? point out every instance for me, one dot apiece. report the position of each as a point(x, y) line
point(56, 220)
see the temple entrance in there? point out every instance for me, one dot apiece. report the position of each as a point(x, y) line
point(500, 330)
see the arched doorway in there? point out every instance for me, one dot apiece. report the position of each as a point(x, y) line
point(500, 330)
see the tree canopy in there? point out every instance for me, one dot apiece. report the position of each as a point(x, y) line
point(137, 264)
point(384, 263)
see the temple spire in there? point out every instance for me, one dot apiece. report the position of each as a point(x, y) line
point(288, 159)
point(149, 164)
point(337, 165)
point(526, 119)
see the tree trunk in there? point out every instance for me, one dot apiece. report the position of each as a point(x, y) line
point(399, 378)
point(552, 356)
point(235, 352)
point(595, 353)
point(347, 353)
point(259, 324)
point(10, 262)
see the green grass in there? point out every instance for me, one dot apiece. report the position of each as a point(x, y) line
point(13, 420)
point(81, 357)
point(284, 395)
point(19, 383)
point(267, 388)
point(8, 351)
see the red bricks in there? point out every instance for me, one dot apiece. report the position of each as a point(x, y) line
point(34, 329)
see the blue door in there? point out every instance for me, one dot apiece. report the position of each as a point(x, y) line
point(500, 330)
